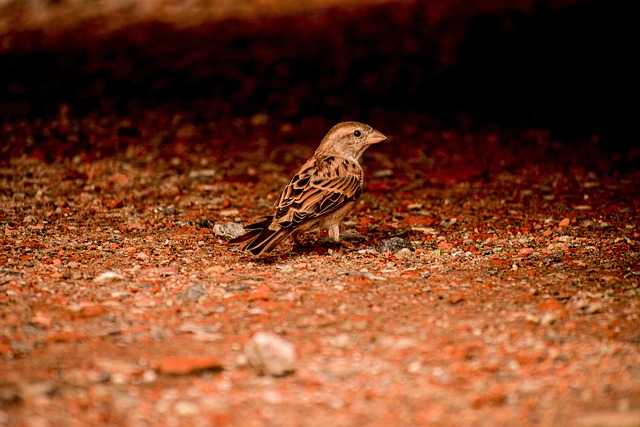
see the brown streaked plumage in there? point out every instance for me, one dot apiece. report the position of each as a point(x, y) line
point(321, 194)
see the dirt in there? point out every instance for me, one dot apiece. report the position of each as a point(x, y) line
point(489, 275)
point(518, 302)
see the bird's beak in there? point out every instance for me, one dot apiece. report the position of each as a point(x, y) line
point(375, 137)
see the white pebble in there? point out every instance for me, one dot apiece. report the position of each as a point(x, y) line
point(271, 354)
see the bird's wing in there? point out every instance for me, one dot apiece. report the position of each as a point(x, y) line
point(321, 186)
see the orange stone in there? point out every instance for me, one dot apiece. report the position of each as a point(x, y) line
point(455, 297)
point(64, 336)
point(549, 305)
point(94, 310)
point(176, 365)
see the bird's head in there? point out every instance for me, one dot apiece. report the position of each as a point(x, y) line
point(349, 140)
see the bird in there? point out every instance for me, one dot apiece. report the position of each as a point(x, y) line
point(320, 194)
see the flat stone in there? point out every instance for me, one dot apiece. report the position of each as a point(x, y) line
point(395, 244)
point(229, 230)
point(176, 365)
point(271, 354)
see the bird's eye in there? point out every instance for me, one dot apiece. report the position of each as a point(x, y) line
point(357, 133)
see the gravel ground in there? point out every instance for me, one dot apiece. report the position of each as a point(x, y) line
point(123, 304)
point(489, 275)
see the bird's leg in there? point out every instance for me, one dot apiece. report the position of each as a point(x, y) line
point(334, 233)
point(296, 241)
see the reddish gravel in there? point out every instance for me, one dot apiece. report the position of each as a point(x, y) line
point(489, 276)
point(120, 305)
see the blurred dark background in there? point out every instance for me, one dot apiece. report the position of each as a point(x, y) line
point(567, 66)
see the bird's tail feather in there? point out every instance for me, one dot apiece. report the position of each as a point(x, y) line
point(254, 230)
point(266, 241)
point(260, 238)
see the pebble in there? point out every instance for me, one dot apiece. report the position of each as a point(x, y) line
point(185, 408)
point(271, 354)
point(229, 230)
point(176, 365)
point(610, 419)
point(404, 253)
point(383, 173)
point(204, 223)
point(29, 219)
point(395, 244)
point(202, 173)
point(455, 297)
point(193, 292)
point(108, 276)
point(39, 389)
point(229, 212)
point(9, 394)
point(352, 236)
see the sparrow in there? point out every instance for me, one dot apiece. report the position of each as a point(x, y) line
point(321, 193)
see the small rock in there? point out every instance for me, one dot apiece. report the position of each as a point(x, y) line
point(29, 219)
point(186, 409)
point(610, 419)
point(547, 319)
point(271, 354)
point(205, 223)
point(564, 223)
point(260, 119)
point(229, 230)
point(193, 292)
point(142, 256)
point(383, 173)
point(455, 297)
point(92, 310)
point(39, 389)
point(352, 236)
point(228, 212)
point(216, 269)
point(124, 402)
point(119, 179)
point(395, 244)
point(582, 207)
point(175, 365)
point(550, 259)
point(404, 253)
point(9, 394)
point(593, 308)
point(445, 245)
point(202, 173)
point(41, 319)
point(65, 336)
point(108, 276)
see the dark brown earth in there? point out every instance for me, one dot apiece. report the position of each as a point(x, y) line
point(121, 302)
